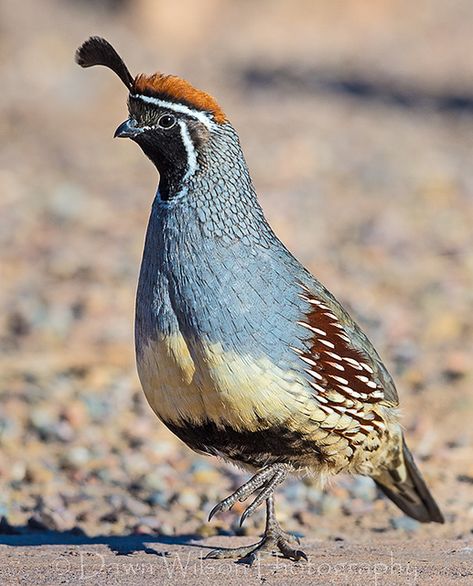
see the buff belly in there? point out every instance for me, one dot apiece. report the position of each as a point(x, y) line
point(243, 408)
point(221, 387)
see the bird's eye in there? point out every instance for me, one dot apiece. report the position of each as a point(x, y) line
point(167, 121)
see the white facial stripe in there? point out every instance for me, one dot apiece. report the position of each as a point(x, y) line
point(200, 116)
point(190, 150)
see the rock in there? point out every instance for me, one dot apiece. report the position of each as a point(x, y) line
point(153, 524)
point(363, 488)
point(405, 523)
point(158, 498)
point(76, 457)
point(189, 498)
point(135, 507)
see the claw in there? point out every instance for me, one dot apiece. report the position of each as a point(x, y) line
point(249, 560)
point(217, 509)
point(213, 554)
point(244, 516)
point(297, 555)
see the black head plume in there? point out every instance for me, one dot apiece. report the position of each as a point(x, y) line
point(98, 51)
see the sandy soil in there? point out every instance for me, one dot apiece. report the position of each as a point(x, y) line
point(358, 129)
point(132, 560)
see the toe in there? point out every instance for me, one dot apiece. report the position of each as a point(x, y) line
point(231, 552)
point(291, 553)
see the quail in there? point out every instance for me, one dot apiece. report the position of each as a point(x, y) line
point(240, 351)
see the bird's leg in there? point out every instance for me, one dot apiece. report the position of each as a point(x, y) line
point(274, 538)
point(265, 495)
point(260, 479)
point(272, 524)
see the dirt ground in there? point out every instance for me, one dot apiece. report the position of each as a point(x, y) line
point(165, 561)
point(357, 123)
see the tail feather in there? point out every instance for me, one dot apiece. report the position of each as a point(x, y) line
point(404, 485)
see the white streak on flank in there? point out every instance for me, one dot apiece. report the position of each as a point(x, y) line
point(309, 360)
point(352, 362)
point(313, 329)
point(336, 365)
point(320, 332)
point(333, 355)
point(331, 315)
point(364, 379)
point(327, 343)
point(317, 387)
point(296, 350)
point(339, 379)
point(316, 375)
point(303, 297)
point(181, 108)
point(366, 367)
point(304, 324)
point(190, 150)
point(314, 301)
point(351, 392)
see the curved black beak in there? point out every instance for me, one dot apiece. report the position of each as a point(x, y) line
point(127, 129)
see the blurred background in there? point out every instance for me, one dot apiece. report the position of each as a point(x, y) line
point(356, 118)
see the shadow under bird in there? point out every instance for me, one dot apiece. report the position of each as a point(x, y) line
point(241, 352)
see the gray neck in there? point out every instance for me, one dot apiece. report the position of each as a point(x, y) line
point(219, 197)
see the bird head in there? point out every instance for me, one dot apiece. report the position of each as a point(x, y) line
point(168, 118)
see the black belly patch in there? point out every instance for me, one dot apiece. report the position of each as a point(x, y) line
point(257, 448)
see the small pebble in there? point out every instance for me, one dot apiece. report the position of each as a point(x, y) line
point(405, 523)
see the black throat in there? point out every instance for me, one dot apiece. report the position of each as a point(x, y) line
point(170, 157)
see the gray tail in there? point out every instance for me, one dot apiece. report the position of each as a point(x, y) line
point(404, 485)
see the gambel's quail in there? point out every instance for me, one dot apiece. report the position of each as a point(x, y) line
point(241, 352)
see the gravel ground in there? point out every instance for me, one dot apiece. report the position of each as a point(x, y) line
point(88, 562)
point(373, 194)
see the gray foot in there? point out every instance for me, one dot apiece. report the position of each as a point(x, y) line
point(273, 542)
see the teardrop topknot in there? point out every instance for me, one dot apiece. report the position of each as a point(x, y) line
point(98, 51)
